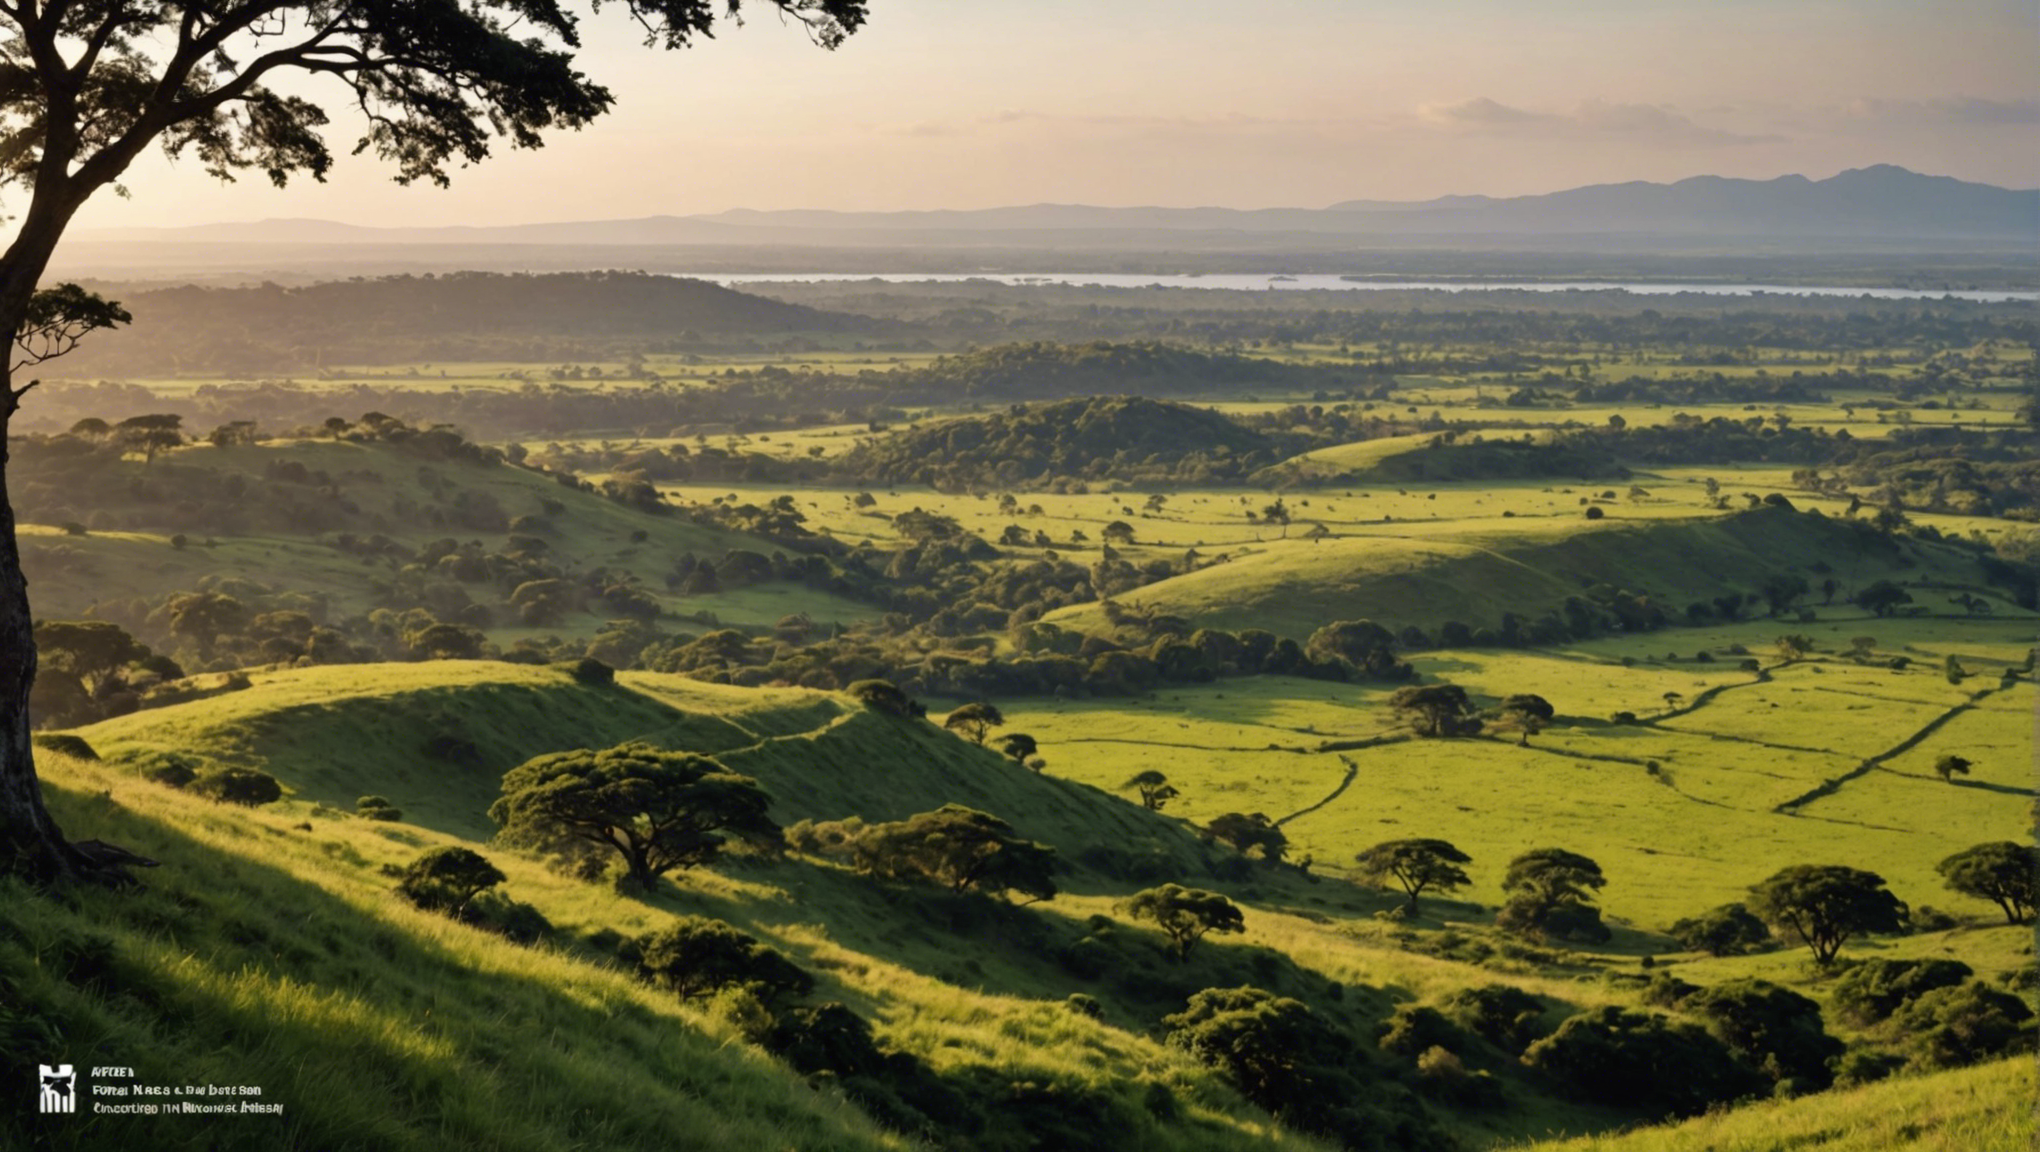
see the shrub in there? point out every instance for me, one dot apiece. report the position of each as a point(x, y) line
point(1630, 1059)
point(1416, 1029)
point(694, 956)
point(169, 769)
point(1771, 1028)
point(513, 920)
point(1443, 1077)
point(592, 672)
point(245, 786)
point(1509, 1018)
point(377, 808)
point(1872, 990)
point(448, 879)
point(65, 744)
point(1729, 930)
point(1952, 1027)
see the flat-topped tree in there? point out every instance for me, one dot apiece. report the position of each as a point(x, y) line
point(1415, 865)
point(2004, 872)
point(92, 84)
point(1185, 915)
point(658, 809)
point(1827, 905)
point(975, 721)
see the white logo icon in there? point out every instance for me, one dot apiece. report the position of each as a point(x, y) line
point(59, 1088)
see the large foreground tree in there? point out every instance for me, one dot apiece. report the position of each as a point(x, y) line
point(87, 85)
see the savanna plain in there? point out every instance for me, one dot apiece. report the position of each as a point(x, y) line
point(604, 710)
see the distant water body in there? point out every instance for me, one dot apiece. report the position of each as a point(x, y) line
point(1278, 283)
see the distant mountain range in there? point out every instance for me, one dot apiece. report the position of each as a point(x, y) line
point(1883, 204)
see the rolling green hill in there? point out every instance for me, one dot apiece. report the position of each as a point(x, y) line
point(453, 317)
point(345, 522)
point(1087, 439)
point(1475, 572)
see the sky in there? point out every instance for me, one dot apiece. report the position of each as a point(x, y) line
point(1248, 104)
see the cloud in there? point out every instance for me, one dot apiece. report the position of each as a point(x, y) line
point(1647, 123)
point(1955, 111)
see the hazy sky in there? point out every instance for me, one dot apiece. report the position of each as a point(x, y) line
point(1252, 103)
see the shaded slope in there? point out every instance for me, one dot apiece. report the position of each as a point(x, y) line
point(435, 738)
point(452, 317)
point(281, 512)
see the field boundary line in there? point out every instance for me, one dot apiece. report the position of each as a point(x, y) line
point(1830, 787)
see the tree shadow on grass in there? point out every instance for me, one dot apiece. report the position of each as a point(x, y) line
point(227, 969)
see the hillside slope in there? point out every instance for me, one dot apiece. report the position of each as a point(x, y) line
point(1403, 577)
point(452, 317)
point(332, 734)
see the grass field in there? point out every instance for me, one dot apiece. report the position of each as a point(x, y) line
point(1984, 1109)
point(1693, 833)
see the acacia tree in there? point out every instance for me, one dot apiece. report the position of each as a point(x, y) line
point(2003, 872)
point(1551, 894)
point(1415, 865)
point(975, 721)
point(1436, 709)
point(1185, 915)
point(658, 809)
point(1529, 714)
point(1154, 788)
point(1826, 905)
point(86, 86)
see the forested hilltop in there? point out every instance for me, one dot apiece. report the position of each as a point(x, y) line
point(455, 316)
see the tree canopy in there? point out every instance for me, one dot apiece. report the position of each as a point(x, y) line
point(1436, 709)
point(960, 847)
point(1185, 915)
point(975, 721)
point(1551, 894)
point(1415, 865)
point(448, 879)
point(93, 84)
point(1826, 905)
point(2002, 872)
point(658, 809)
point(1154, 788)
point(1247, 831)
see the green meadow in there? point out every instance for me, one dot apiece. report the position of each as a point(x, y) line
point(1702, 736)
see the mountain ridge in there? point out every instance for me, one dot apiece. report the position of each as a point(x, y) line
point(1883, 201)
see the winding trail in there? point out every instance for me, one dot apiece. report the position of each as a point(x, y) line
point(1352, 770)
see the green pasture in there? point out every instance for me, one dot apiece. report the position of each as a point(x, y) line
point(1693, 832)
point(1472, 571)
point(1983, 1109)
point(72, 573)
point(989, 1003)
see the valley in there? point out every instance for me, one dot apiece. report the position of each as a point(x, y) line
point(1159, 588)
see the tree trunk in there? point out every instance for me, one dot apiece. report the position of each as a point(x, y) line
point(30, 843)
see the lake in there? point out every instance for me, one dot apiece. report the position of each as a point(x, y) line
point(1278, 282)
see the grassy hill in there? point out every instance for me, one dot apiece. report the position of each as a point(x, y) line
point(1474, 571)
point(1983, 1109)
point(1088, 439)
point(268, 950)
point(332, 734)
point(461, 316)
point(1430, 458)
point(317, 517)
